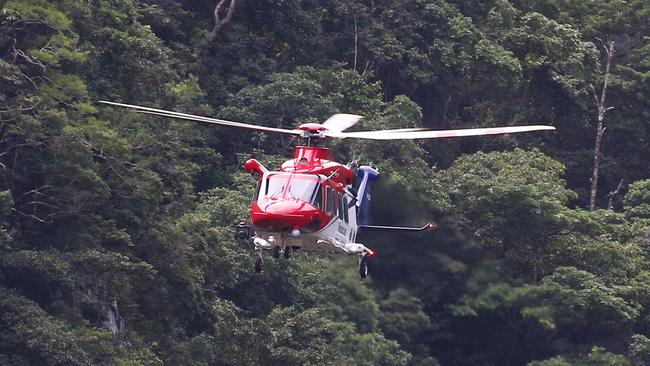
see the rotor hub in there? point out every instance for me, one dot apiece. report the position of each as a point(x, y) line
point(312, 127)
point(312, 130)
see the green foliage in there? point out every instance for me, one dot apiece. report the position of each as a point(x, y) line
point(597, 357)
point(405, 321)
point(512, 203)
point(639, 349)
point(45, 339)
point(637, 200)
point(116, 241)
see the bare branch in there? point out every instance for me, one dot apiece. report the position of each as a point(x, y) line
point(27, 21)
point(99, 153)
point(20, 53)
point(367, 68)
point(22, 145)
point(594, 91)
point(612, 194)
point(356, 38)
point(21, 109)
point(36, 191)
point(42, 221)
point(39, 203)
point(218, 21)
point(608, 66)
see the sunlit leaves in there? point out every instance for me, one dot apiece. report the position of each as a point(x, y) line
point(637, 200)
point(510, 201)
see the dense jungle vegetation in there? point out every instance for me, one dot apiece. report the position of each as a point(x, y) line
point(117, 241)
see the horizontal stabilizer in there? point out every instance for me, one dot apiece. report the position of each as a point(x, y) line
point(429, 226)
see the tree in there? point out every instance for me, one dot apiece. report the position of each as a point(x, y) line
point(601, 103)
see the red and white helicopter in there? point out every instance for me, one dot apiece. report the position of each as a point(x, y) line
point(313, 203)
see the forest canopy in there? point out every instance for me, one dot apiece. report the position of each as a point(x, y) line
point(116, 228)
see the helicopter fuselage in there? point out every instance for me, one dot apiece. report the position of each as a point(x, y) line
point(308, 205)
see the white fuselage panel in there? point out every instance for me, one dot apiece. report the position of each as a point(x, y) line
point(337, 237)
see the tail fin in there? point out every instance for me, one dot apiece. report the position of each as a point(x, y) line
point(366, 174)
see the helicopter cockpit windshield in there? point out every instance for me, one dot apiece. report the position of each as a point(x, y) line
point(288, 186)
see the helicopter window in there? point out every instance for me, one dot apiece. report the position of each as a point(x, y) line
point(318, 197)
point(257, 190)
point(338, 203)
point(275, 185)
point(331, 202)
point(302, 187)
point(344, 208)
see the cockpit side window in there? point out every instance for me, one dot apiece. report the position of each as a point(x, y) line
point(317, 200)
point(256, 195)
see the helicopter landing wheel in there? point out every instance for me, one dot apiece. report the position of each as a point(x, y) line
point(363, 267)
point(287, 252)
point(258, 262)
point(276, 251)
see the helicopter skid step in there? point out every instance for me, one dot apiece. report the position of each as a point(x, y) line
point(334, 246)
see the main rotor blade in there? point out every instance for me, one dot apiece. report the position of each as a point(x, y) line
point(412, 135)
point(341, 121)
point(192, 117)
point(395, 130)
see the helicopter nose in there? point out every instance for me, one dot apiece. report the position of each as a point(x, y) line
point(283, 214)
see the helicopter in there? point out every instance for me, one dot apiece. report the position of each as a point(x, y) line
point(313, 203)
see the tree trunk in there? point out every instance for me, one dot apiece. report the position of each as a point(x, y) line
point(115, 323)
point(600, 128)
